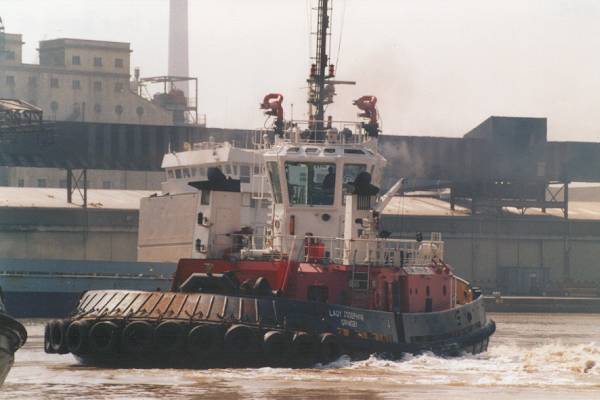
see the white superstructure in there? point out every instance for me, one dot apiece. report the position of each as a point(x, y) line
point(180, 222)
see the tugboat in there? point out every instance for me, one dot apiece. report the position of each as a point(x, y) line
point(12, 336)
point(323, 280)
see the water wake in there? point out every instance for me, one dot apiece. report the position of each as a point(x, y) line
point(552, 364)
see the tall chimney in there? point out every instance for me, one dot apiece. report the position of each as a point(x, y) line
point(178, 42)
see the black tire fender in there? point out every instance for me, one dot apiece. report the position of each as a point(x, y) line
point(170, 336)
point(329, 347)
point(304, 347)
point(58, 336)
point(276, 345)
point(77, 337)
point(137, 337)
point(47, 344)
point(103, 337)
point(203, 340)
point(240, 339)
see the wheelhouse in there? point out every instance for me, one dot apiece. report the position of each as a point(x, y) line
point(309, 183)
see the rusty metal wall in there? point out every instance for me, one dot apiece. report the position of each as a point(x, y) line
point(141, 147)
point(104, 146)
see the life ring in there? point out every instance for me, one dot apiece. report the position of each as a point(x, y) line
point(58, 341)
point(77, 337)
point(203, 340)
point(170, 336)
point(329, 348)
point(137, 337)
point(304, 347)
point(275, 347)
point(239, 339)
point(103, 337)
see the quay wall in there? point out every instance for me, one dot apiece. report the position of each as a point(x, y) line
point(516, 255)
point(68, 234)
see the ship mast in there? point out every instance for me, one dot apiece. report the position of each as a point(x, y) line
point(321, 83)
point(317, 78)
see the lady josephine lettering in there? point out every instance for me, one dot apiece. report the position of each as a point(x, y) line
point(347, 318)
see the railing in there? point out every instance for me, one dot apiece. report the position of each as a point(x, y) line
point(210, 145)
point(260, 187)
point(348, 133)
point(318, 249)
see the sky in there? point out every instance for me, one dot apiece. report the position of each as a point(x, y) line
point(438, 67)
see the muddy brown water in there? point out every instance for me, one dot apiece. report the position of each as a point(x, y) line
point(531, 356)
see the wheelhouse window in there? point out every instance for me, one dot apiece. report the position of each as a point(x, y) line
point(310, 183)
point(170, 174)
point(178, 174)
point(351, 171)
point(275, 182)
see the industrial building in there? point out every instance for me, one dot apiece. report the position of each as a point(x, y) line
point(476, 190)
point(78, 80)
point(534, 254)
point(40, 224)
point(83, 146)
point(89, 81)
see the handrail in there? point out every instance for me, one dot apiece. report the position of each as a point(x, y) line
point(343, 130)
point(322, 249)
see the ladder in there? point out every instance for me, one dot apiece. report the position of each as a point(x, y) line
point(360, 284)
point(259, 182)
